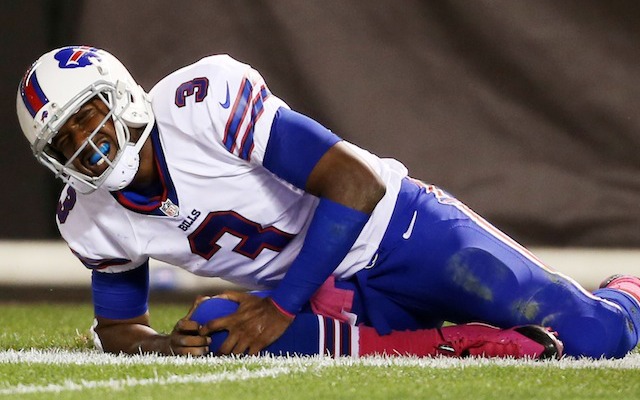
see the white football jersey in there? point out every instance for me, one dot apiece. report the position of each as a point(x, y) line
point(221, 212)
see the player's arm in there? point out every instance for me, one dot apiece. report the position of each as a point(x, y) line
point(130, 336)
point(343, 177)
point(122, 318)
point(135, 336)
point(304, 153)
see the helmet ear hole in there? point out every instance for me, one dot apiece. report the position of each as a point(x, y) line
point(106, 97)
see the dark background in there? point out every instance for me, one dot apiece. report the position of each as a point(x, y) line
point(526, 110)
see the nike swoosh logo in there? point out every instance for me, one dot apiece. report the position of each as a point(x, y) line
point(407, 234)
point(227, 102)
point(372, 262)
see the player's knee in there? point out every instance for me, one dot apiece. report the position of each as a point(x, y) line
point(213, 308)
point(482, 276)
point(216, 307)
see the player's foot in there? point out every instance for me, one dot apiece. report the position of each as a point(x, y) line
point(624, 283)
point(528, 341)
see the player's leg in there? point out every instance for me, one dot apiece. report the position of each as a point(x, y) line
point(311, 334)
point(452, 265)
point(490, 281)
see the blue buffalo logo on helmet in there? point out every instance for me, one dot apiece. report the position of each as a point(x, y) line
point(77, 56)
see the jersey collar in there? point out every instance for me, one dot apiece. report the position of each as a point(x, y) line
point(164, 200)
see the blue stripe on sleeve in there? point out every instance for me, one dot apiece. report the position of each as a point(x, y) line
point(237, 115)
point(247, 110)
point(247, 142)
point(121, 295)
point(295, 146)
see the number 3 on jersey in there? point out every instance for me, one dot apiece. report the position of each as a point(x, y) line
point(65, 206)
point(254, 238)
point(197, 87)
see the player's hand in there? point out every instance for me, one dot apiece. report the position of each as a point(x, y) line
point(256, 324)
point(186, 339)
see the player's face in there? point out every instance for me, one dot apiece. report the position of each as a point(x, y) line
point(74, 133)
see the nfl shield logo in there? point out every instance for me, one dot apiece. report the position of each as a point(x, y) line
point(169, 209)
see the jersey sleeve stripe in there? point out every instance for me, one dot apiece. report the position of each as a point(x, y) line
point(256, 112)
point(238, 112)
point(245, 113)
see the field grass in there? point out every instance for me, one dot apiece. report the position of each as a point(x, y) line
point(46, 352)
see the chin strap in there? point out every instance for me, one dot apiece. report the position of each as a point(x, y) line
point(120, 176)
point(124, 170)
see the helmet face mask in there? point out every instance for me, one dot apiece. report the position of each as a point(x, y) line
point(57, 86)
point(64, 167)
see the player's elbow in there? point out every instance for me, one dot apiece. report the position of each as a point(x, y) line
point(361, 189)
point(374, 191)
point(102, 339)
point(344, 177)
point(129, 336)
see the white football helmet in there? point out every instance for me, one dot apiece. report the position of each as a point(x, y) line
point(57, 85)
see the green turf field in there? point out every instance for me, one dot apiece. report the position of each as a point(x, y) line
point(46, 352)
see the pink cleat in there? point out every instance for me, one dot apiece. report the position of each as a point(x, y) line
point(527, 341)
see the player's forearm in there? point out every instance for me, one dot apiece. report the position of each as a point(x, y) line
point(331, 234)
point(349, 190)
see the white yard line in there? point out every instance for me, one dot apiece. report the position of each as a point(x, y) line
point(119, 384)
point(62, 357)
point(267, 367)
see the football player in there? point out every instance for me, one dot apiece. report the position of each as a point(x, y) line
point(212, 172)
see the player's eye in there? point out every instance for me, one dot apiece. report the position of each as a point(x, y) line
point(59, 141)
point(82, 115)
